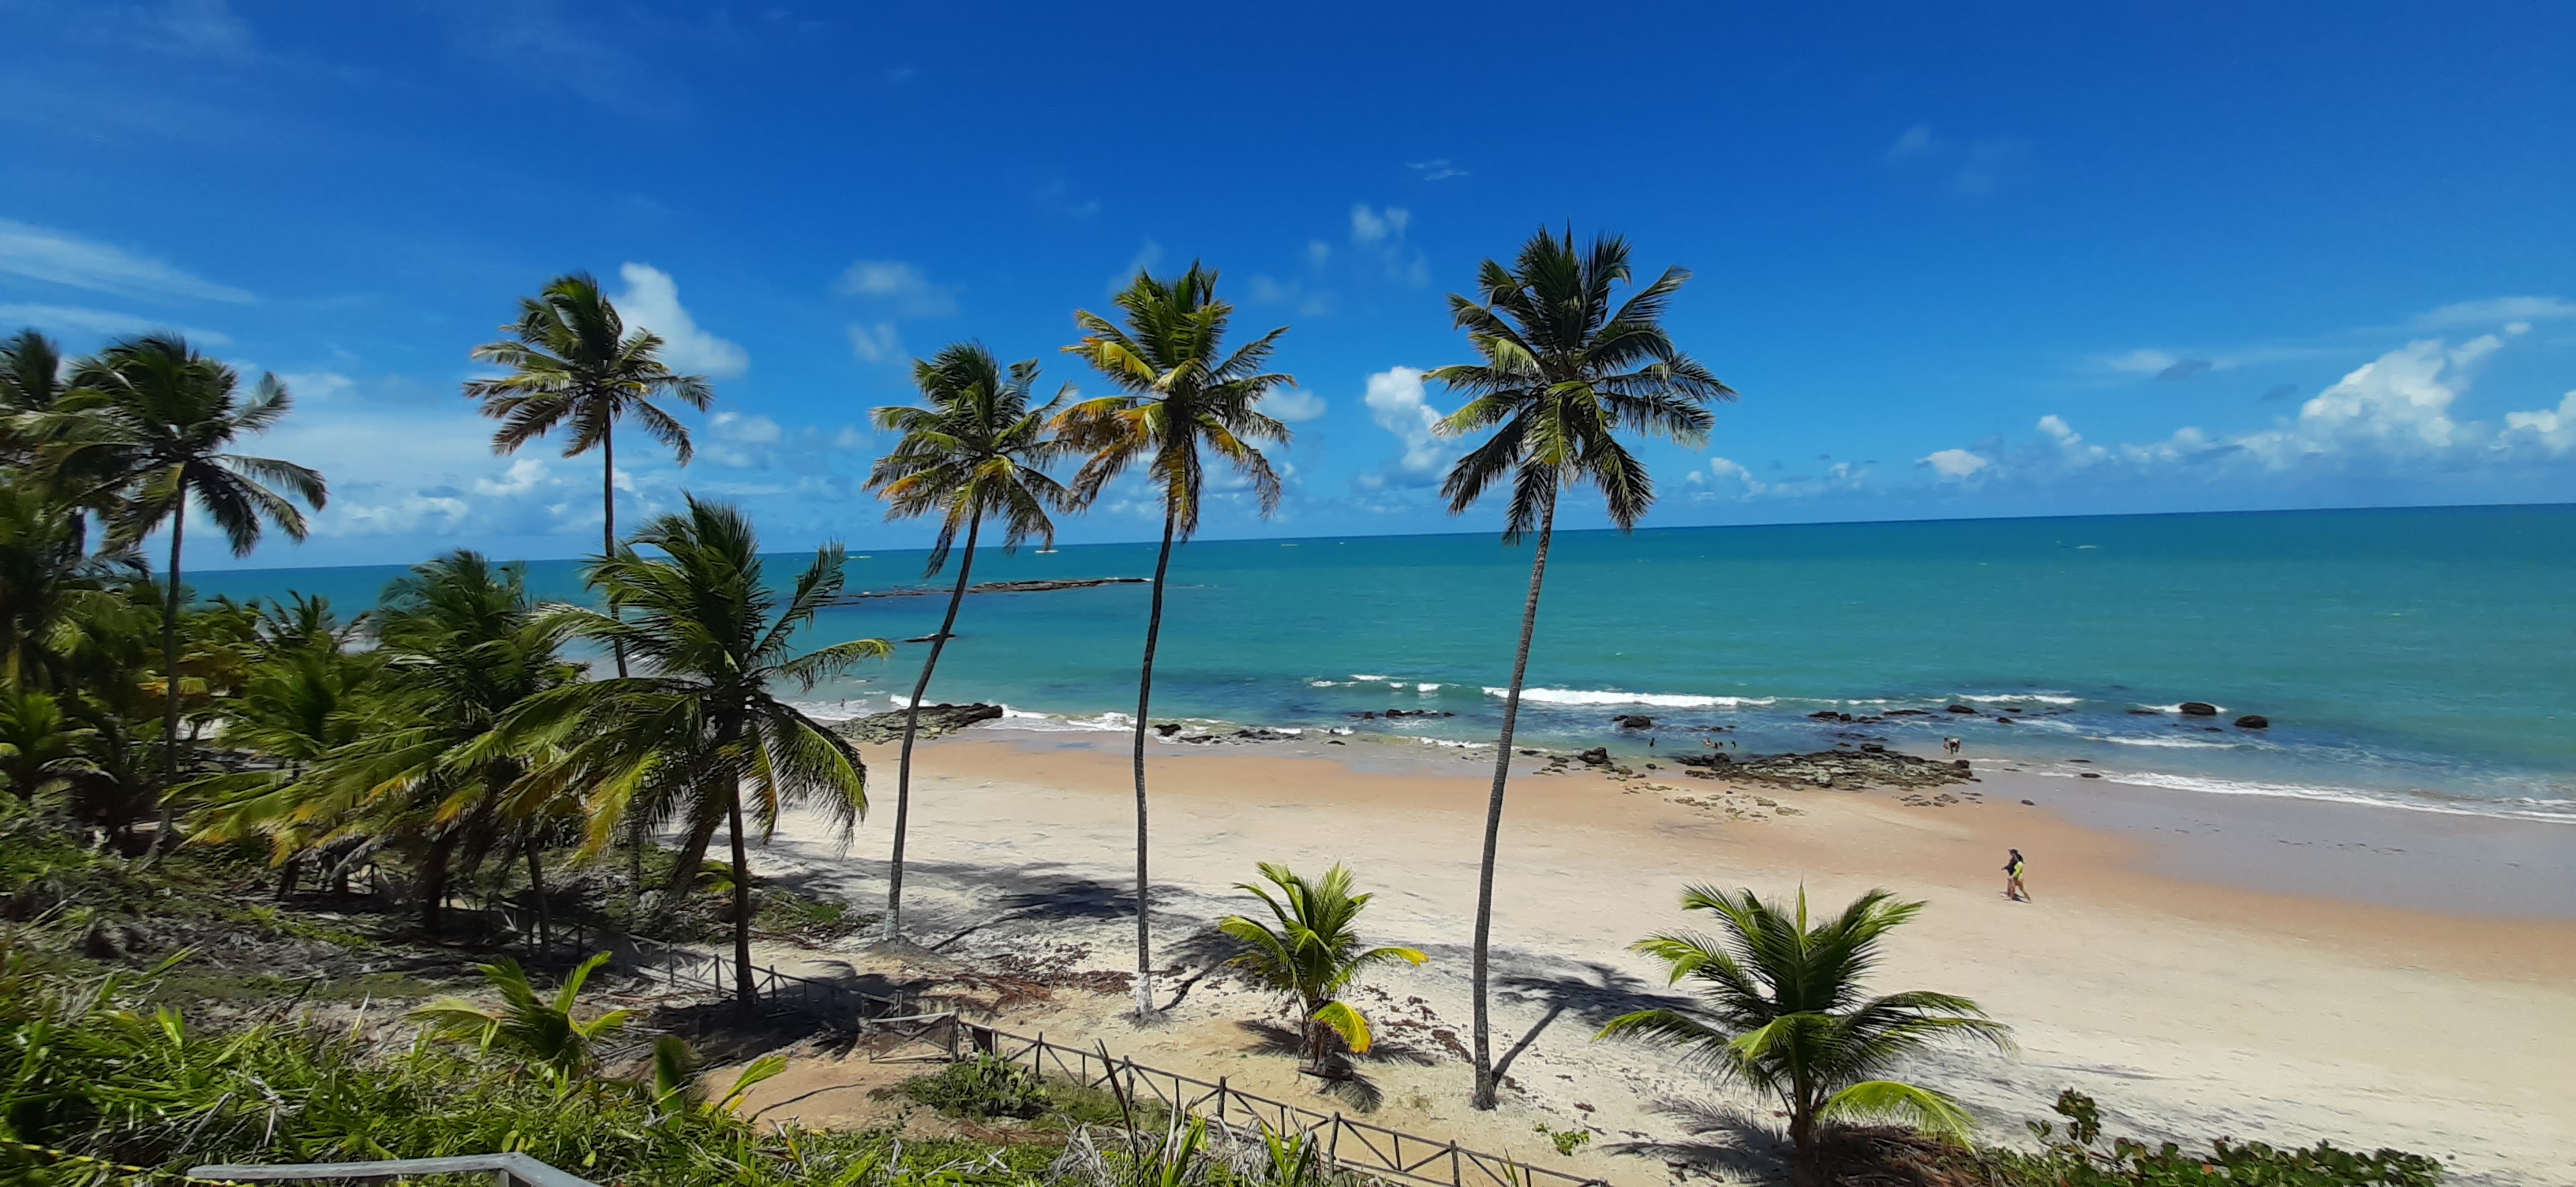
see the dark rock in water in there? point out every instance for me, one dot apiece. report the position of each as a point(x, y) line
point(2088, 774)
point(1959, 764)
point(2029, 804)
point(1634, 721)
point(1529, 752)
point(2253, 721)
point(1419, 713)
point(1710, 759)
point(2198, 709)
point(936, 720)
point(1364, 715)
point(2211, 729)
point(1909, 712)
point(2003, 721)
point(1167, 728)
point(1963, 709)
point(2146, 712)
point(1823, 715)
point(1598, 756)
point(1842, 716)
point(1872, 748)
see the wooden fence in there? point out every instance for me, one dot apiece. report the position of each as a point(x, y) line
point(1375, 1151)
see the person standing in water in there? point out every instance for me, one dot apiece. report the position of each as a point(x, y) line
point(2013, 888)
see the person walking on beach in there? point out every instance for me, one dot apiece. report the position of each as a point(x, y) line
point(1949, 745)
point(2013, 888)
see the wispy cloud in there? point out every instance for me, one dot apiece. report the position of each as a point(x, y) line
point(652, 300)
point(60, 257)
point(1379, 233)
point(2496, 311)
point(1397, 403)
point(1436, 169)
point(1294, 405)
point(102, 323)
point(877, 343)
point(1145, 259)
point(1975, 169)
point(902, 287)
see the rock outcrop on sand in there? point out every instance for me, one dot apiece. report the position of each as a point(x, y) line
point(1872, 765)
point(879, 728)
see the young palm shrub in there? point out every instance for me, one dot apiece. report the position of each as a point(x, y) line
point(700, 736)
point(544, 1033)
point(1783, 1011)
point(1564, 371)
point(977, 453)
point(1180, 393)
point(1311, 952)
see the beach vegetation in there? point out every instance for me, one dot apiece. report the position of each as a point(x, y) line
point(574, 365)
point(979, 451)
point(1182, 395)
point(1564, 366)
point(703, 739)
point(544, 1034)
point(1310, 950)
point(1783, 1009)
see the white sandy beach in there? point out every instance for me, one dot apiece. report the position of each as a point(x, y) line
point(2283, 1005)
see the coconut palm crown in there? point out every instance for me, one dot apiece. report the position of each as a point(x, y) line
point(1311, 951)
point(977, 452)
point(1783, 1010)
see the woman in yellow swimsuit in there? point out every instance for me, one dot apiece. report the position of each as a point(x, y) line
point(2012, 879)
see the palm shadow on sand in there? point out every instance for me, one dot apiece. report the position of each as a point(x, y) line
point(1594, 996)
point(1722, 1141)
point(1340, 1077)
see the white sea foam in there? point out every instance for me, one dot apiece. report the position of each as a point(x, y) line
point(2172, 743)
point(2039, 698)
point(2177, 708)
point(2524, 807)
point(1661, 700)
point(1425, 687)
point(1365, 676)
point(1051, 723)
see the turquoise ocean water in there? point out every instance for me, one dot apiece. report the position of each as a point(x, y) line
point(2423, 657)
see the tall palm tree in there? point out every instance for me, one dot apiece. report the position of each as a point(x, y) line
point(575, 366)
point(1564, 370)
point(1179, 392)
point(1313, 953)
point(1782, 1011)
point(977, 452)
point(703, 722)
point(143, 433)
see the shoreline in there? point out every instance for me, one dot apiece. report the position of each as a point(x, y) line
point(2190, 1008)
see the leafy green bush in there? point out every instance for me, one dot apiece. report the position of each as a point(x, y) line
point(981, 1089)
point(1567, 1141)
point(2080, 1160)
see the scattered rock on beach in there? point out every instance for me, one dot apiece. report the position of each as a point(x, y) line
point(2198, 709)
point(1598, 756)
point(876, 728)
point(2253, 721)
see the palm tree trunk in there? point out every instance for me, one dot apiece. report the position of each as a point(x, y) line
point(1806, 1159)
point(1144, 702)
point(161, 837)
point(608, 523)
point(537, 891)
point(743, 996)
point(1485, 1085)
point(433, 884)
point(911, 724)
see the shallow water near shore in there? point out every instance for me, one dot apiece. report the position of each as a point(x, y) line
point(2418, 657)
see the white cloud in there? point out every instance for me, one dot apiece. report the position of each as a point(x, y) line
point(1954, 463)
point(652, 300)
point(901, 285)
point(1916, 141)
point(58, 257)
point(2554, 430)
point(1318, 252)
point(1727, 470)
point(2397, 404)
point(2058, 430)
point(67, 319)
point(743, 442)
point(1375, 226)
point(525, 475)
point(1436, 169)
point(1395, 400)
point(877, 343)
point(2497, 311)
point(1294, 405)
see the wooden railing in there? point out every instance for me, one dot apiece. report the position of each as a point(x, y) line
point(507, 1170)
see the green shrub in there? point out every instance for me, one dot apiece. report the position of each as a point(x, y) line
point(981, 1089)
point(2080, 1160)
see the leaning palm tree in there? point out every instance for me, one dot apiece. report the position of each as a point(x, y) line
point(575, 366)
point(544, 1033)
point(143, 433)
point(1782, 1011)
point(1313, 953)
point(978, 452)
point(1179, 392)
point(31, 379)
point(702, 726)
point(1564, 370)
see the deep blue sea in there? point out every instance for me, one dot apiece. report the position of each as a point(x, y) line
point(2417, 656)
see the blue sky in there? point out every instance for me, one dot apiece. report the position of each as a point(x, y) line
point(1959, 261)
